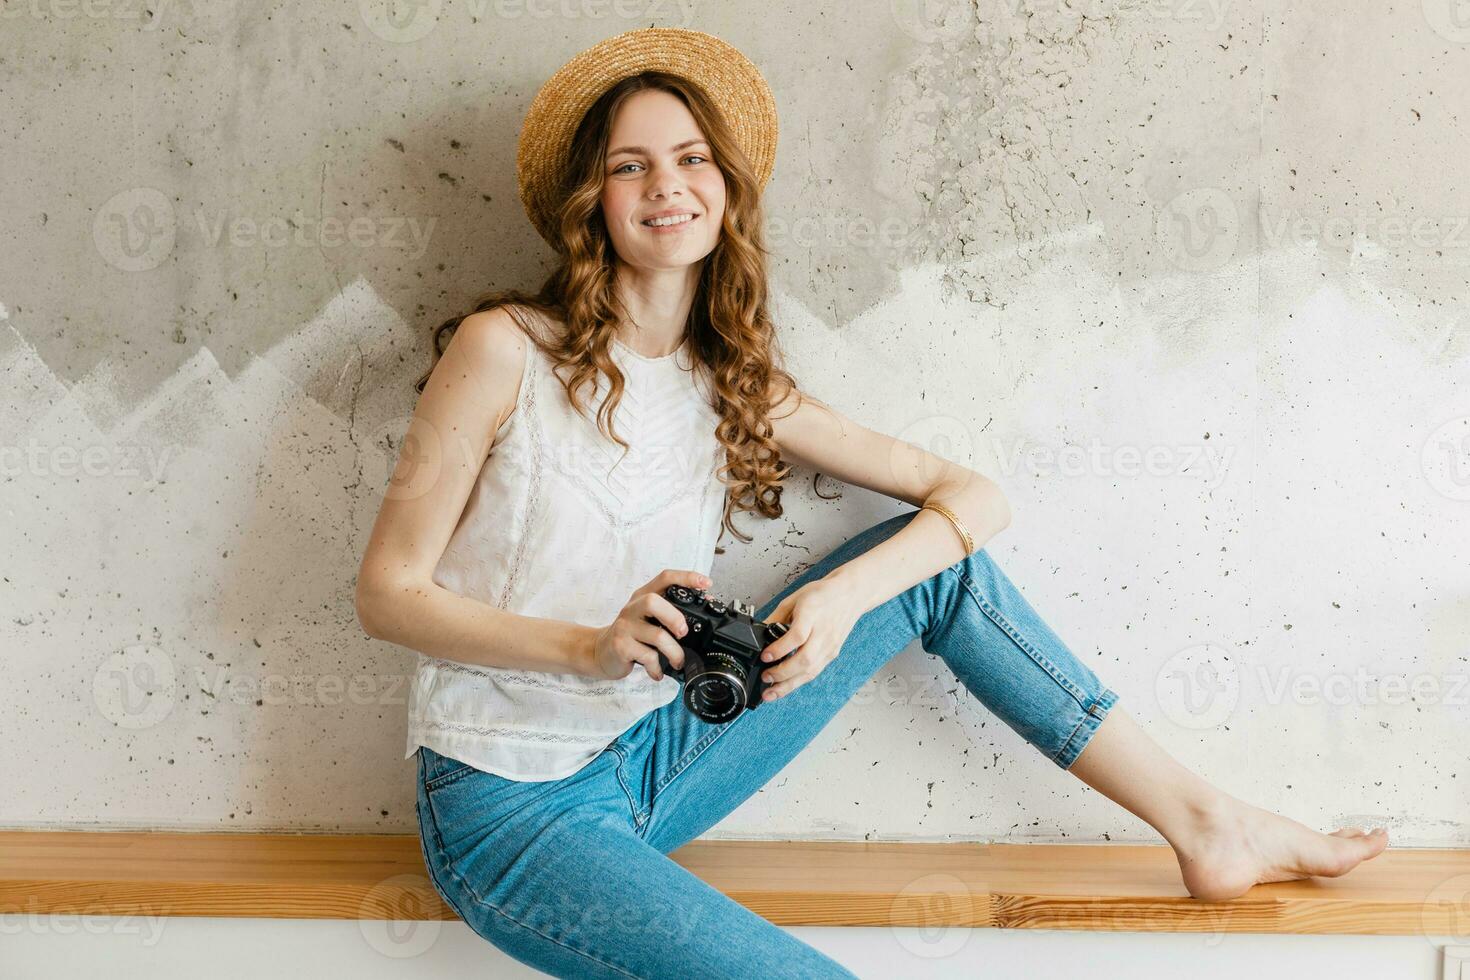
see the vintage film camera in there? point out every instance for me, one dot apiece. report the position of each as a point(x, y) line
point(722, 650)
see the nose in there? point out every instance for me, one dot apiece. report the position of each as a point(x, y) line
point(664, 182)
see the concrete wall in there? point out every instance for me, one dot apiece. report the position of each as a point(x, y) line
point(1188, 277)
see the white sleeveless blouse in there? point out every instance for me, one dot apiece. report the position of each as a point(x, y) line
point(558, 526)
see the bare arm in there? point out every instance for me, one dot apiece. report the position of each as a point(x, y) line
point(818, 436)
point(470, 394)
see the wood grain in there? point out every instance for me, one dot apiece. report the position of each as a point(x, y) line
point(1006, 886)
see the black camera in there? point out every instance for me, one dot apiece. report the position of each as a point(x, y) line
point(722, 654)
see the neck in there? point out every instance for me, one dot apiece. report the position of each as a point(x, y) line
point(657, 302)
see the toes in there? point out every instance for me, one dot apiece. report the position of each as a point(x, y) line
point(1358, 833)
point(1370, 837)
point(1364, 846)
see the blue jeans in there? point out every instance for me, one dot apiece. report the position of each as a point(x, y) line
point(572, 876)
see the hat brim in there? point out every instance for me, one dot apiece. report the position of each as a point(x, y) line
point(726, 75)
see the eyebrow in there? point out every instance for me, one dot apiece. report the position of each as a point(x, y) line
point(641, 149)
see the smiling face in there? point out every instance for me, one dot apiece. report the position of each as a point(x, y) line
point(659, 165)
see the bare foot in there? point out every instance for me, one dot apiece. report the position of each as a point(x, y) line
point(1241, 845)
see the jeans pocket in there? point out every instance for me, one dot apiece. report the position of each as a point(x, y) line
point(452, 776)
point(441, 770)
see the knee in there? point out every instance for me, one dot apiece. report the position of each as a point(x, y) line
point(942, 591)
point(975, 567)
point(978, 567)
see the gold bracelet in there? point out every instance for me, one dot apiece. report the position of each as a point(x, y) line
point(965, 538)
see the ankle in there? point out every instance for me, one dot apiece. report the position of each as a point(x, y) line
point(1204, 813)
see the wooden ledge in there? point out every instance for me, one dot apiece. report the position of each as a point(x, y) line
point(1008, 886)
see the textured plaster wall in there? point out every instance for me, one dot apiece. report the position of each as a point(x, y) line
point(1188, 277)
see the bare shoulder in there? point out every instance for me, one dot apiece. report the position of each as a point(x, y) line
point(494, 344)
point(489, 350)
point(491, 336)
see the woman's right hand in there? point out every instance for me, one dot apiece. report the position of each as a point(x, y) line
point(630, 639)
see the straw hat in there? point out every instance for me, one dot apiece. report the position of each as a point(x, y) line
point(726, 75)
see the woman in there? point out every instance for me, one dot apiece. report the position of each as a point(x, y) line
point(555, 777)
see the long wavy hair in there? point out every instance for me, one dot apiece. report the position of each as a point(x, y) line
point(730, 333)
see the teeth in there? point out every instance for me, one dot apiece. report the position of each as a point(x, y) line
point(677, 219)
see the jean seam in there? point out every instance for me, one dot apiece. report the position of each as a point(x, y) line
point(1041, 660)
point(689, 757)
point(429, 866)
point(640, 816)
point(1092, 712)
point(1057, 758)
point(445, 778)
point(421, 806)
point(450, 869)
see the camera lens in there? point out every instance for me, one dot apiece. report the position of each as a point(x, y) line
point(716, 699)
point(717, 694)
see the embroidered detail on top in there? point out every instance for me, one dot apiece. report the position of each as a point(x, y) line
point(593, 492)
point(534, 679)
point(658, 509)
point(524, 734)
point(533, 496)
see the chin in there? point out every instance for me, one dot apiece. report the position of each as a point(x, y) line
point(682, 259)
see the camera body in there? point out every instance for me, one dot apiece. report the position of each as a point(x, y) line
point(722, 665)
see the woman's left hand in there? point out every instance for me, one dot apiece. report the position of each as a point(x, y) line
point(819, 616)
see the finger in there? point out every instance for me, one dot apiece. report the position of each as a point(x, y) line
point(782, 610)
point(777, 691)
point(781, 646)
point(642, 653)
point(793, 666)
point(668, 615)
point(671, 576)
point(659, 639)
point(679, 576)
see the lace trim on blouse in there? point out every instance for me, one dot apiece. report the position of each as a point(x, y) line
point(523, 734)
point(533, 495)
point(544, 681)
